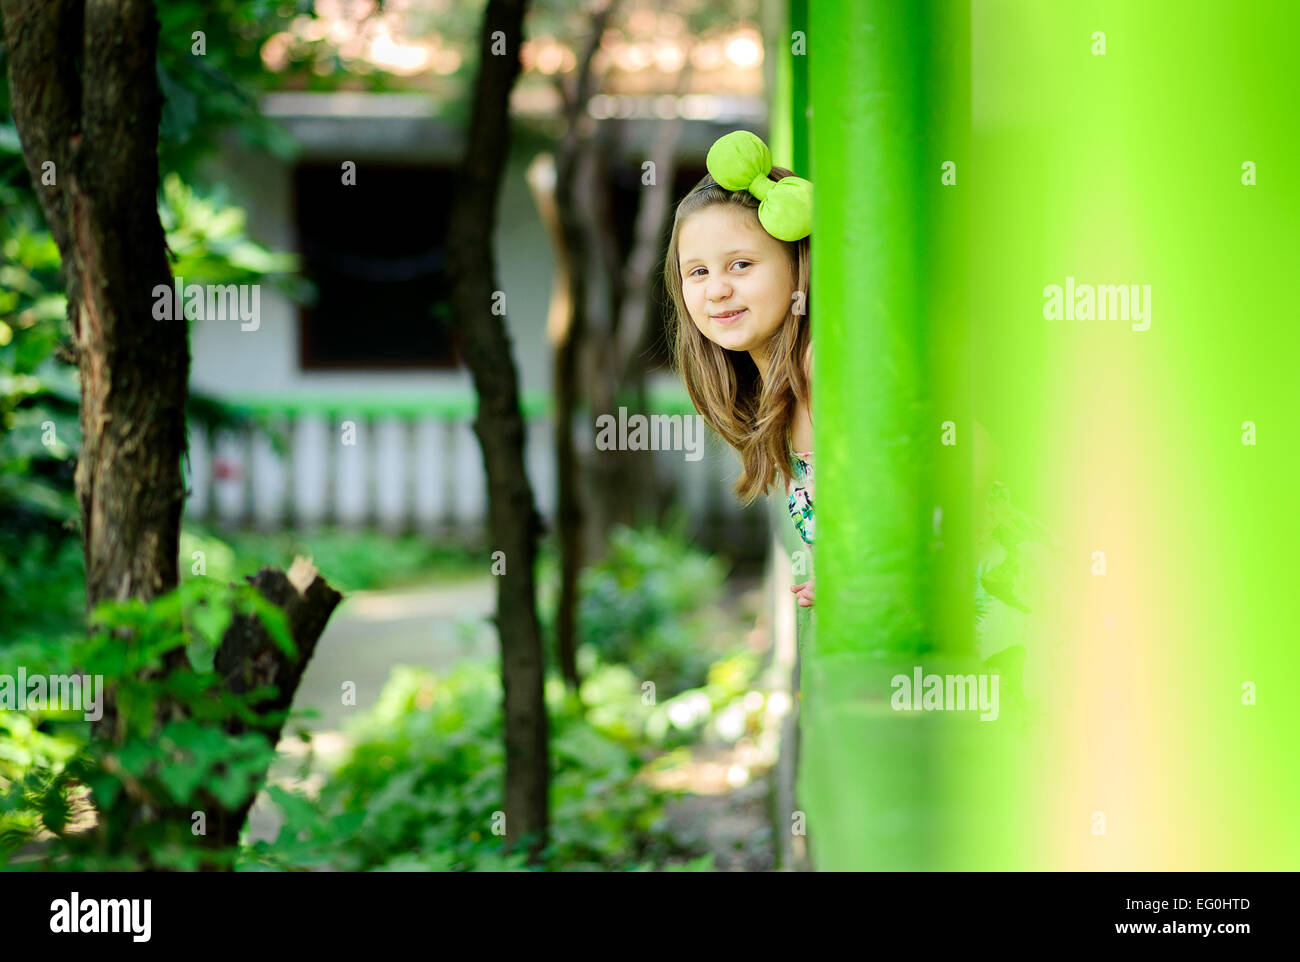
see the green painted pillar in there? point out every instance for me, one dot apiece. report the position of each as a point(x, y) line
point(885, 114)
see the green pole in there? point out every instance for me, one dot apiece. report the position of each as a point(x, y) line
point(868, 773)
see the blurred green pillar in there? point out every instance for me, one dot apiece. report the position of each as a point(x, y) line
point(1144, 147)
point(1148, 148)
point(786, 27)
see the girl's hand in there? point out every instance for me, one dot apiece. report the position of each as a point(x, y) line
point(803, 593)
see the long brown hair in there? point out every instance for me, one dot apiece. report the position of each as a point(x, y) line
point(751, 413)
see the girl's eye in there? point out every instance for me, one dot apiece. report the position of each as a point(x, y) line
point(733, 264)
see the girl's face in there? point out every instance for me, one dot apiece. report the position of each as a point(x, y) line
point(728, 263)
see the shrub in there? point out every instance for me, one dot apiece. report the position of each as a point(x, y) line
point(422, 788)
point(79, 800)
point(649, 604)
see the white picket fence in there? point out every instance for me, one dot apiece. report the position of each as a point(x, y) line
point(400, 469)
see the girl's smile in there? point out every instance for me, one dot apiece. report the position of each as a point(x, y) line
point(728, 317)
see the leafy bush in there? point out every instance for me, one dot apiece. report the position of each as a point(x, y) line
point(40, 567)
point(79, 800)
point(356, 560)
point(648, 604)
point(619, 706)
point(422, 788)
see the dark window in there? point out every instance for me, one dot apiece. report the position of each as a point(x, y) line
point(376, 252)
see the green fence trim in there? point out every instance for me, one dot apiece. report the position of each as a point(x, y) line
point(299, 405)
point(461, 406)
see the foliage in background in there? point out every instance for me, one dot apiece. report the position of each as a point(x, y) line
point(38, 775)
point(421, 790)
point(206, 94)
point(41, 573)
point(62, 793)
point(421, 787)
point(39, 435)
point(355, 560)
point(649, 604)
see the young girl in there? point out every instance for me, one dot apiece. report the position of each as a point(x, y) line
point(737, 271)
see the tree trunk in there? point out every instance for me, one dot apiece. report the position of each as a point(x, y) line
point(568, 502)
point(568, 341)
point(513, 520)
point(248, 658)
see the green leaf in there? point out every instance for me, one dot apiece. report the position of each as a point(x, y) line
point(297, 810)
point(206, 745)
point(231, 787)
point(201, 656)
point(276, 622)
point(105, 788)
point(181, 779)
point(9, 140)
point(137, 755)
point(211, 623)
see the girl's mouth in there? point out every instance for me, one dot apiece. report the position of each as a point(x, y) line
point(728, 318)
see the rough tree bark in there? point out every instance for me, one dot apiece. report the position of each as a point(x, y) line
point(513, 521)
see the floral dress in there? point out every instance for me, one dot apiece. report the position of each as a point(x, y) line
point(801, 494)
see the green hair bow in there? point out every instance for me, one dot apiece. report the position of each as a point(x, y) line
point(741, 161)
